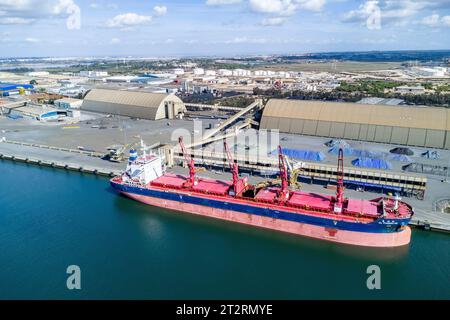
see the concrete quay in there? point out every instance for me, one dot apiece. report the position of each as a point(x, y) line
point(57, 158)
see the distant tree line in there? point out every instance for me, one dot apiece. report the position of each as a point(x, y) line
point(18, 70)
point(435, 99)
point(369, 86)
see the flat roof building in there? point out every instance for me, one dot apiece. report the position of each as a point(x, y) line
point(7, 89)
point(415, 126)
point(41, 113)
point(136, 104)
point(68, 103)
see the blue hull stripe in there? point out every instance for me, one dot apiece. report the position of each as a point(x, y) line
point(378, 226)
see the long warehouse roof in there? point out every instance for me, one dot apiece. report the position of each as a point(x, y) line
point(383, 115)
point(132, 98)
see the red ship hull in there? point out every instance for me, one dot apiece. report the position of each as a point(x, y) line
point(393, 239)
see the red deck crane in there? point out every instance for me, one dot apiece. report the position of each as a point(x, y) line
point(284, 192)
point(340, 183)
point(190, 162)
point(233, 167)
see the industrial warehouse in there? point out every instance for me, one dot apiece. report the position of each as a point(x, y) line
point(405, 125)
point(9, 89)
point(143, 105)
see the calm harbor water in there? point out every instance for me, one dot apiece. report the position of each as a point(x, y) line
point(50, 219)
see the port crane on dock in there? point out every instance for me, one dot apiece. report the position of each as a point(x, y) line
point(190, 163)
point(239, 186)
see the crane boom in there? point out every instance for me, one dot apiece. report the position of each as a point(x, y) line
point(284, 193)
point(233, 167)
point(190, 162)
point(340, 183)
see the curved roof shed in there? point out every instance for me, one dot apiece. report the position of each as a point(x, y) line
point(405, 125)
point(136, 104)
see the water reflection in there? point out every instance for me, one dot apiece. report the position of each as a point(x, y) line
point(160, 220)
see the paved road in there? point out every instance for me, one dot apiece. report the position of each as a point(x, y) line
point(60, 157)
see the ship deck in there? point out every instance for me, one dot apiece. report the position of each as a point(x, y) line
point(310, 202)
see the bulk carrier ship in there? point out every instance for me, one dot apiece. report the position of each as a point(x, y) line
point(381, 222)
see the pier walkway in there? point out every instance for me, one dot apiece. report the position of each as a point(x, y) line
point(59, 159)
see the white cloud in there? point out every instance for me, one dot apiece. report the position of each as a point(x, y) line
point(127, 20)
point(191, 41)
point(276, 21)
point(115, 41)
point(446, 21)
point(159, 10)
point(32, 40)
point(278, 7)
point(15, 20)
point(274, 10)
point(396, 12)
point(221, 2)
point(240, 40)
point(435, 20)
point(399, 9)
point(285, 7)
point(28, 11)
point(312, 5)
point(431, 21)
point(368, 12)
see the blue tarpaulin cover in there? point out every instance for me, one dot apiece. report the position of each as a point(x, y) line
point(372, 163)
point(303, 154)
point(356, 152)
point(401, 157)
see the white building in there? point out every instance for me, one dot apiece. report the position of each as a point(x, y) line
point(199, 71)
point(260, 73)
point(74, 113)
point(178, 71)
point(210, 72)
point(410, 89)
point(208, 78)
point(241, 73)
point(93, 74)
point(68, 103)
point(436, 72)
point(225, 72)
point(186, 85)
point(38, 74)
point(283, 74)
point(126, 79)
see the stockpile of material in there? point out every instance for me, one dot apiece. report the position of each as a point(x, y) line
point(402, 150)
point(309, 155)
point(337, 143)
point(401, 158)
point(357, 153)
point(426, 169)
point(347, 150)
point(431, 154)
point(373, 163)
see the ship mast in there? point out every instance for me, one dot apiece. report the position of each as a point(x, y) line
point(284, 193)
point(190, 162)
point(340, 183)
point(233, 166)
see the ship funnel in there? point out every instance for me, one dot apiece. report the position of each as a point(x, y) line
point(133, 155)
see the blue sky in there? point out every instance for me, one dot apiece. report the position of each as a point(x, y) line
point(219, 27)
